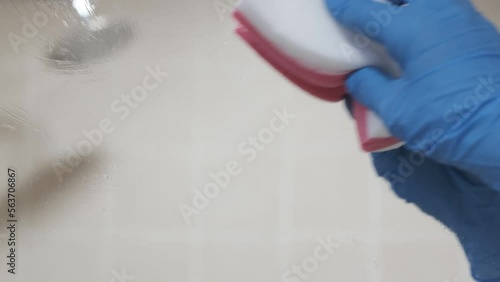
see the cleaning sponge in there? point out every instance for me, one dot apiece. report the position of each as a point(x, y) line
point(301, 40)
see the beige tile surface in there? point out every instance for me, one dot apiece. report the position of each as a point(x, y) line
point(116, 217)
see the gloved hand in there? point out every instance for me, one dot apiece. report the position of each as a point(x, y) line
point(446, 107)
point(456, 198)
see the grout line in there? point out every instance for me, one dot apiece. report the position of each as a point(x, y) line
point(375, 270)
point(196, 265)
point(200, 235)
point(195, 237)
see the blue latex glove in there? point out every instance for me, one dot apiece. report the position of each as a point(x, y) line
point(446, 107)
point(456, 198)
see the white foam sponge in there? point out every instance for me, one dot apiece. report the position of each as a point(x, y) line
point(304, 42)
point(305, 29)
